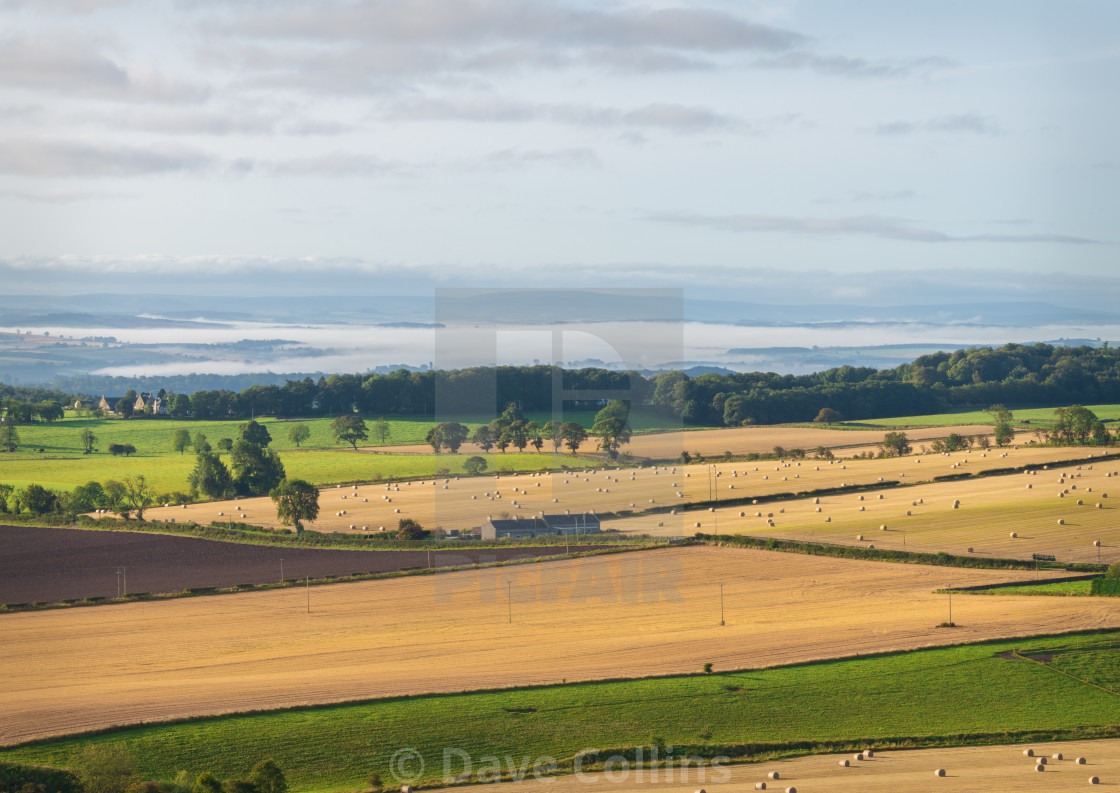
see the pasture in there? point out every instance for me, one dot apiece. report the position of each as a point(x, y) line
point(628, 615)
point(923, 517)
point(465, 502)
point(972, 692)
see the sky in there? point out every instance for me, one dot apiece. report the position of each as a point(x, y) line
point(782, 150)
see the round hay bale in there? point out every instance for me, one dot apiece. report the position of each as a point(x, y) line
point(791, 789)
point(862, 509)
point(907, 513)
point(880, 495)
point(1096, 543)
point(871, 547)
point(828, 520)
point(1014, 534)
point(698, 524)
point(1056, 755)
point(1029, 487)
point(861, 498)
point(818, 509)
point(857, 756)
point(816, 501)
point(221, 514)
point(1041, 761)
point(883, 527)
point(742, 514)
point(845, 763)
point(1028, 753)
point(773, 775)
point(1040, 767)
point(760, 786)
point(1061, 522)
point(1094, 780)
point(1080, 761)
point(352, 527)
point(859, 537)
point(970, 550)
point(868, 752)
point(939, 772)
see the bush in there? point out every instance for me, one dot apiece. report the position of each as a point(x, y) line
point(1108, 587)
point(1113, 570)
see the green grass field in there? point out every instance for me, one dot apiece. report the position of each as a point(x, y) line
point(168, 473)
point(1043, 416)
point(1060, 589)
point(951, 693)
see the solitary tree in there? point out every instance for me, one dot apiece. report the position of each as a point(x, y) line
point(1002, 431)
point(572, 435)
point(896, 443)
point(381, 430)
point(551, 430)
point(225, 444)
point(200, 443)
point(140, 494)
point(349, 429)
point(9, 436)
point(409, 529)
point(296, 501)
point(475, 465)
point(298, 433)
point(828, 416)
point(181, 440)
point(254, 432)
point(612, 433)
point(87, 437)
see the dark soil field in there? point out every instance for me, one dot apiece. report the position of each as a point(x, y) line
point(41, 564)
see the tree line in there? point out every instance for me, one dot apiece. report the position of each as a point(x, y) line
point(1013, 374)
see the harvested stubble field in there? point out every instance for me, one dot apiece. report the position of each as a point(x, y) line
point(464, 503)
point(990, 510)
point(645, 613)
point(756, 440)
point(44, 564)
point(977, 769)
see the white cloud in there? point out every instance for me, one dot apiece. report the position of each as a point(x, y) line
point(861, 226)
point(970, 123)
point(69, 64)
point(71, 158)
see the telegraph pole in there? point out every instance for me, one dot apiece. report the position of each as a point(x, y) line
point(721, 604)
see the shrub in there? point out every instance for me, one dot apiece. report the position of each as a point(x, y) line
point(1109, 587)
point(1113, 570)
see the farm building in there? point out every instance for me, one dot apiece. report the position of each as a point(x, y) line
point(540, 525)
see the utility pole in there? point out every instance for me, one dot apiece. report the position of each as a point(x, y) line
point(721, 604)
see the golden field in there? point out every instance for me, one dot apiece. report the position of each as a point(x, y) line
point(923, 518)
point(463, 503)
point(977, 769)
point(629, 615)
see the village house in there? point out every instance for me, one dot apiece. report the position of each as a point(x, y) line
point(540, 525)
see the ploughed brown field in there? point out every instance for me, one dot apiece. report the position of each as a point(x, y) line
point(644, 613)
point(1060, 511)
point(978, 769)
point(41, 564)
point(465, 502)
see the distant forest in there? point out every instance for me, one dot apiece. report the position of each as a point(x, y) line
point(1016, 375)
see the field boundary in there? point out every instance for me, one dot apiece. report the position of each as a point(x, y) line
point(939, 559)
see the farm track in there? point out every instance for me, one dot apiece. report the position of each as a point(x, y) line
point(652, 612)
